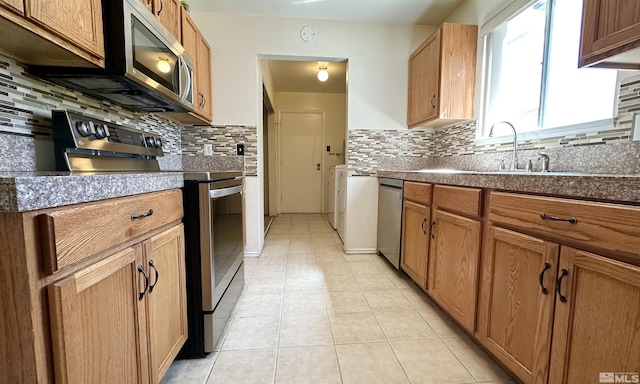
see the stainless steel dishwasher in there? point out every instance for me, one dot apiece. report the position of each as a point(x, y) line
point(390, 219)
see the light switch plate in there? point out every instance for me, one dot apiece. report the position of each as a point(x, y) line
point(636, 127)
point(208, 149)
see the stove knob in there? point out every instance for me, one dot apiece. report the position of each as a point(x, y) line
point(151, 141)
point(101, 131)
point(84, 128)
point(158, 143)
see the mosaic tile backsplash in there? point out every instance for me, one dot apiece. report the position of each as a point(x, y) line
point(26, 103)
point(367, 149)
point(224, 140)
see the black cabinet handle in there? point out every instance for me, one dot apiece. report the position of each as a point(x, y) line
point(424, 230)
point(564, 273)
point(157, 275)
point(547, 265)
point(571, 220)
point(141, 215)
point(146, 282)
point(433, 224)
point(161, 6)
point(433, 102)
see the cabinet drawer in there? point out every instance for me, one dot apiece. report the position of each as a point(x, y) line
point(75, 233)
point(465, 201)
point(611, 227)
point(418, 192)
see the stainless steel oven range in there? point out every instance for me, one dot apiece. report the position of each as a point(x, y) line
point(214, 241)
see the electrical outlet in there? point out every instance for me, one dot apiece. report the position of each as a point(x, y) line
point(328, 148)
point(240, 149)
point(636, 127)
point(208, 149)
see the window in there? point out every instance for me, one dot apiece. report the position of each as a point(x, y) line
point(532, 76)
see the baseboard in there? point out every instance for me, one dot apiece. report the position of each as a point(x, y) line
point(361, 251)
point(252, 254)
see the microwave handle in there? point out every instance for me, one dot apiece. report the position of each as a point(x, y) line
point(187, 76)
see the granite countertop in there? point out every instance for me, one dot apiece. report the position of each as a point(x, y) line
point(27, 191)
point(606, 187)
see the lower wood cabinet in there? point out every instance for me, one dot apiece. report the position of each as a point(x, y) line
point(516, 301)
point(123, 319)
point(415, 241)
point(165, 299)
point(113, 310)
point(453, 265)
point(596, 325)
point(98, 323)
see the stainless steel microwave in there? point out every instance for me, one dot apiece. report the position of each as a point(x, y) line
point(146, 68)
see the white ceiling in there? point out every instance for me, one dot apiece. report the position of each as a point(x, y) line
point(422, 12)
point(301, 76)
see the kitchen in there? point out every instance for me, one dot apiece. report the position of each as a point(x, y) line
point(375, 102)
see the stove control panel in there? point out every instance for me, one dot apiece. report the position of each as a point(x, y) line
point(77, 131)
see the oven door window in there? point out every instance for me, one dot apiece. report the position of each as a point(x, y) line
point(154, 58)
point(227, 230)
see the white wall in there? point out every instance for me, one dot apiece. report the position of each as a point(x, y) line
point(335, 113)
point(377, 80)
point(377, 53)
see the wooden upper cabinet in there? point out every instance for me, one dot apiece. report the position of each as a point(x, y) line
point(96, 320)
point(415, 241)
point(79, 22)
point(168, 12)
point(442, 73)
point(13, 5)
point(203, 101)
point(610, 34)
point(424, 67)
point(514, 314)
point(597, 326)
point(166, 298)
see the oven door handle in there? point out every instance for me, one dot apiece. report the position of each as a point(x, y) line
point(215, 193)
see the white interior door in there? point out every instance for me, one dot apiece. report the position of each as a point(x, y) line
point(301, 146)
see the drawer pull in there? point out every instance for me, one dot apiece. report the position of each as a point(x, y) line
point(141, 215)
point(571, 220)
point(424, 230)
point(146, 282)
point(157, 276)
point(564, 273)
point(547, 265)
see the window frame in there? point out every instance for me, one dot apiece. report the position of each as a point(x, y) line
point(482, 129)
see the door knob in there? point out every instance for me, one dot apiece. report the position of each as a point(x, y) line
point(317, 166)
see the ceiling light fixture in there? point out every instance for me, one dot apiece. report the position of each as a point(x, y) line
point(163, 65)
point(323, 75)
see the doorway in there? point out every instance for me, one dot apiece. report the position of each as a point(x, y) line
point(267, 109)
point(301, 154)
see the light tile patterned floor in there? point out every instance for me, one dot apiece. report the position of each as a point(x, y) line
point(312, 314)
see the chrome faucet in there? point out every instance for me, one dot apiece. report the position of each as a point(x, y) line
point(514, 161)
point(544, 165)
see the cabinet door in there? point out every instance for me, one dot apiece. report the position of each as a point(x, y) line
point(515, 315)
point(168, 12)
point(415, 223)
point(608, 28)
point(14, 5)
point(79, 22)
point(166, 299)
point(597, 327)
point(98, 323)
point(453, 265)
point(204, 78)
point(424, 74)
